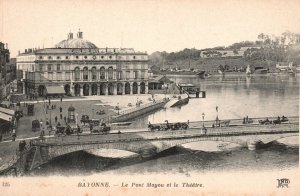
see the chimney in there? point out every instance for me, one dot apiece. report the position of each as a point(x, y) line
point(25, 50)
point(70, 36)
point(79, 34)
point(19, 51)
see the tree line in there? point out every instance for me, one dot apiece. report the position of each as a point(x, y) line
point(273, 48)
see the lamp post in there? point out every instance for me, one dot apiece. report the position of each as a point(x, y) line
point(203, 115)
point(118, 109)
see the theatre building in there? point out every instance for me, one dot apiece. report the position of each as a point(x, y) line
point(78, 67)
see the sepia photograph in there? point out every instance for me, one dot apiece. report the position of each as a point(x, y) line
point(138, 97)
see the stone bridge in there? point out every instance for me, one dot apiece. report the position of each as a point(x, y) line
point(149, 143)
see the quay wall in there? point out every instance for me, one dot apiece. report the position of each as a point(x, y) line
point(138, 111)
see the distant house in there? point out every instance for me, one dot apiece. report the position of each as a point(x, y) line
point(243, 49)
point(225, 53)
point(220, 53)
point(158, 82)
point(283, 66)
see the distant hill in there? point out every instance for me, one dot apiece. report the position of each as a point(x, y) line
point(266, 52)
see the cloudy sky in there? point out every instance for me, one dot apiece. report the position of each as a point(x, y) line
point(146, 25)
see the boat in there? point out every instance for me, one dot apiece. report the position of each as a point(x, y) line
point(248, 70)
point(260, 70)
point(221, 69)
point(191, 90)
point(203, 75)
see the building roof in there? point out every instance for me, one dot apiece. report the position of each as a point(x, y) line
point(55, 90)
point(160, 79)
point(75, 43)
point(5, 110)
point(5, 116)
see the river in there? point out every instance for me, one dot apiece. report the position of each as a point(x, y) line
point(236, 96)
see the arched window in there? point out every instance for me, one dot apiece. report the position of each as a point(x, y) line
point(77, 73)
point(85, 73)
point(94, 73)
point(110, 73)
point(102, 73)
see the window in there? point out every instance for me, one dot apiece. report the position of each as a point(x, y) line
point(42, 77)
point(85, 73)
point(102, 57)
point(49, 67)
point(67, 76)
point(49, 57)
point(102, 73)
point(58, 67)
point(135, 75)
point(110, 73)
point(77, 73)
point(110, 57)
point(142, 74)
point(94, 73)
point(58, 75)
point(119, 75)
point(133, 57)
point(58, 57)
point(50, 76)
point(85, 57)
point(67, 57)
point(41, 67)
point(77, 57)
point(40, 57)
point(127, 75)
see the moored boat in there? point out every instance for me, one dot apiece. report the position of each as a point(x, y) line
point(260, 70)
point(203, 74)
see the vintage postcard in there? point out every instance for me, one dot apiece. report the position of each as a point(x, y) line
point(139, 97)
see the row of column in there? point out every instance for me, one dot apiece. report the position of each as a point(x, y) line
point(107, 89)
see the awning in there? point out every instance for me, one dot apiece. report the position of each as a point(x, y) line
point(5, 116)
point(7, 111)
point(6, 103)
point(55, 90)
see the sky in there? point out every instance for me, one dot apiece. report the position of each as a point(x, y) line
point(145, 25)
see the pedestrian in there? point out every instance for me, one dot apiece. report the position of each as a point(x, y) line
point(65, 119)
point(55, 119)
point(60, 109)
point(14, 135)
point(42, 135)
point(61, 116)
point(52, 107)
point(49, 101)
point(60, 99)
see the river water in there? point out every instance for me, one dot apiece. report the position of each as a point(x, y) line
point(236, 96)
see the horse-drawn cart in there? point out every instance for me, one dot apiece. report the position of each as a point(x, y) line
point(167, 126)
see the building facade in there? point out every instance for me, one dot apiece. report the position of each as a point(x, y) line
point(4, 72)
point(82, 69)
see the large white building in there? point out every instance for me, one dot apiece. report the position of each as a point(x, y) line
point(80, 68)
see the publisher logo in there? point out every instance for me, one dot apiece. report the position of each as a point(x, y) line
point(283, 183)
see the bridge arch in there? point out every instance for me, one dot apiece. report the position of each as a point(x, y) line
point(138, 144)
